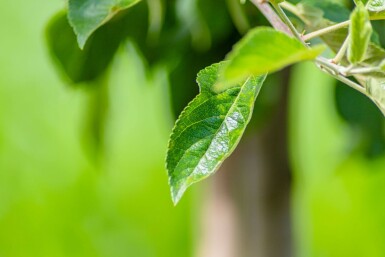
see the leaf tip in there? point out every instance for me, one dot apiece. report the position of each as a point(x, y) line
point(81, 41)
point(177, 193)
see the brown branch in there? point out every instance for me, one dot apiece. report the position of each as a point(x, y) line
point(271, 16)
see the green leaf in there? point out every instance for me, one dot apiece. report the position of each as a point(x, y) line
point(85, 16)
point(261, 51)
point(89, 64)
point(360, 1)
point(382, 66)
point(80, 65)
point(374, 54)
point(376, 89)
point(360, 31)
point(376, 9)
point(209, 129)
point(327, 9)
point(376, 5)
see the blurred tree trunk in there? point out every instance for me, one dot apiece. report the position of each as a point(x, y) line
point(247, 210)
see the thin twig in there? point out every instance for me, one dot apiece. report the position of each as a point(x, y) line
point(271, 16)
point(326, 66)
point(336, 72)
point(341, 53)
point(291, 8)
point(350, 83)
point(326, 30)
point(362, 70)
point(288, 23)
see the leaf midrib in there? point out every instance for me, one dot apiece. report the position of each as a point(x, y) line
point(216, 132)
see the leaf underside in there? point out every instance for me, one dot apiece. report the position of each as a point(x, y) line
point(265, 50)
point(85, 16)
point(360, 31)
point(208, 129)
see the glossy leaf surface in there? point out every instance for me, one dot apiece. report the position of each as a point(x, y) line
point(360, 31)
point(264, 50)
point(208, 129)
point(86, 16)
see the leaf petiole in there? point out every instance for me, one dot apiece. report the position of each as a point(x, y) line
point(287, 21)
point(336, 72)
point(341, 53)
point(326, 30)
point(272, 16)
point(361, 70)
point(291, 8)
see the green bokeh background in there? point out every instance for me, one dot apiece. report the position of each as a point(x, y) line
point(338, 205)
point(55, 199)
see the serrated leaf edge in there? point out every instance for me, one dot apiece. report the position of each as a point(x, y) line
point(178, 195)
